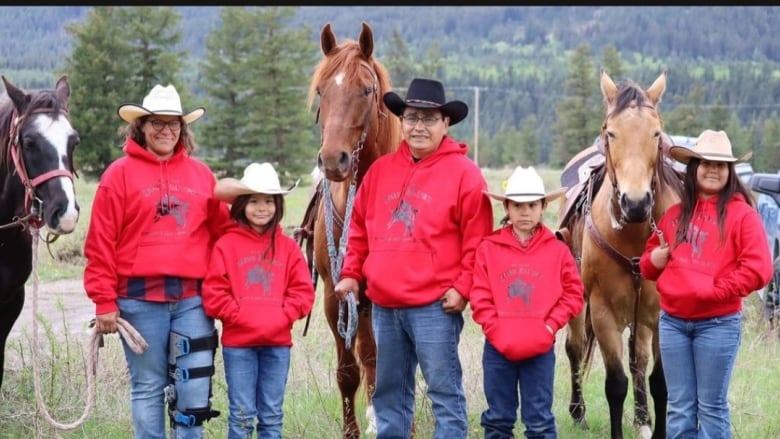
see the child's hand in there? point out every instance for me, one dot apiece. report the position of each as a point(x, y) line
point(660, 256)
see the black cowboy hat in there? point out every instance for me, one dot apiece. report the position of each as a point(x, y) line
point(426, 93)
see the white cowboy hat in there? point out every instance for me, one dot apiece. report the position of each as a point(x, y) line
point(163, 101)
point(711, 145)
point(525, 185)
point(259, 178)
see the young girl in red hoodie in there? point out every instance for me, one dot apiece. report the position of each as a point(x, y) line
point(258, 285)
point(714, 257)
point(526, 287)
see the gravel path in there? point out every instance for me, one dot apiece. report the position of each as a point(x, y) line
point(60, 303)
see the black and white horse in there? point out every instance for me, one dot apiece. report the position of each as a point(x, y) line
point(36, 186)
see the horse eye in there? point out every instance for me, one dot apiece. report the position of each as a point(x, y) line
point(367, 90)
point(610, 134)
point(318, 92)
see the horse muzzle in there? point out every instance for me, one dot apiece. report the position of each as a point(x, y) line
point(636, 211)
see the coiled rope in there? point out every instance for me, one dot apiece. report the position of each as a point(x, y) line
point(346, 329)
point(133, 338)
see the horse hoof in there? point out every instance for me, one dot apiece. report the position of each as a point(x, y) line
point(645, 432)
point(582, 424)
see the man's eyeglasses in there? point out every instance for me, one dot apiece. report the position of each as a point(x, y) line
point(158, 125)
point(428, 121)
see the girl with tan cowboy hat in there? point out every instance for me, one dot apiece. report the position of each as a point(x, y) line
point(525, 282)
point(258, 285)
point(154, 221)
point(714, 258)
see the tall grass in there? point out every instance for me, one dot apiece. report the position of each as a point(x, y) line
point(312, 403)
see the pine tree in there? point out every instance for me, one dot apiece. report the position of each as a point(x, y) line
point(578, 120)
point(119, 54)
point(610, 61)
point(398, 62)
point(255, 75)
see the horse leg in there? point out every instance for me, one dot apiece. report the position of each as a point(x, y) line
point(638, 357)
point(610, 342)
point(347, 370)
point(366, 348)
point(658, 391)
point(575, 345)
point(9, 312)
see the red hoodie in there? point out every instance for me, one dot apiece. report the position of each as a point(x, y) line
point(706, 276)
point(518, 290)
point(257, 297)
point(415, 226)
point(150, 218)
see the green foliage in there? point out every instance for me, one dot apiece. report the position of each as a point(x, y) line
point(119, 55)
point(576, 127)
point(253, 74)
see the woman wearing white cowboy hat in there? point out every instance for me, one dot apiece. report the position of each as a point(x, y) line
point(421, 211)
point(714, 257)
point(154, 221)
point(258, 285)
point(525, 282)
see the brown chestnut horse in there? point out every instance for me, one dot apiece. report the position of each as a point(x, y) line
point(356, 129)
point(616, 212)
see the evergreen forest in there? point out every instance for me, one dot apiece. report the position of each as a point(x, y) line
point(534, 70)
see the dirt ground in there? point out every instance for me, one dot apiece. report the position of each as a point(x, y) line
point(61, 303)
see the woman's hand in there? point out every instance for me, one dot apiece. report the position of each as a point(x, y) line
point(346, 285)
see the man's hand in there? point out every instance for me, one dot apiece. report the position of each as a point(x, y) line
point(346, 285)
point(453, 302)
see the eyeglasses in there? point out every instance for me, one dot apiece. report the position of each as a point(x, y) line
point(158, 125)
point(428, 121)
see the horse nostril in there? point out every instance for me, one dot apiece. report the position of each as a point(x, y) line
point(343, 160)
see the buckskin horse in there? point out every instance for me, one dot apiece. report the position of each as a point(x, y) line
point(606, 220)
point(36, 186)
point(356, 129)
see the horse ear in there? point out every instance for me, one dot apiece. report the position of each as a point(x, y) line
point(62, 89)
point(608, 87)
point(366, 40)
point(327, 39)
point(19, 97)
point(657, 89)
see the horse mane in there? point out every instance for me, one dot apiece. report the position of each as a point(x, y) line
point(346, 58)
point(38, 99)
point(629, 94)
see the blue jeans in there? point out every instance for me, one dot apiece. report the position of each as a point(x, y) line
point(698, 358)
point(501, 379)
point(256, 378)
point(149, 371)
point(406, 337)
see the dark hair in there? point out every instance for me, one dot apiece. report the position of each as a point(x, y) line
point(237, 212)
point(186, 137)
point(691, 195)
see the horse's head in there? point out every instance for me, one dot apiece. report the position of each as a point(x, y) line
point(631, 138)
point(349, 83)
point(40, 142)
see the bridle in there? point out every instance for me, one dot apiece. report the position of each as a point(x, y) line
point(32, 204)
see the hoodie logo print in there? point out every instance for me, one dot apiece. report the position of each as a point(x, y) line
point(405, 213)
point(258, 276)
point(520, 289)
point(696, 237)
point(171, 205)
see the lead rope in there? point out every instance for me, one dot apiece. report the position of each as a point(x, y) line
point(336, 255)
point(133, 338)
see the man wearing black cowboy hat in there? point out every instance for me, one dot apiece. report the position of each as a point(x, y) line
point(419, 210)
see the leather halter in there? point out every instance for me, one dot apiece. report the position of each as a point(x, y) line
point(32, 211)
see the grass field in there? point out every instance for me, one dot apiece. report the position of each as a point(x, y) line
point(312, 407)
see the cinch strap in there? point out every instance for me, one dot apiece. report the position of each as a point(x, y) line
point(193, 417)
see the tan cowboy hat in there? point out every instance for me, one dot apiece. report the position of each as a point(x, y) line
point(426, 93)
point(163, 101)
point(259, 178)
point(711, 145)
point(525, 185)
